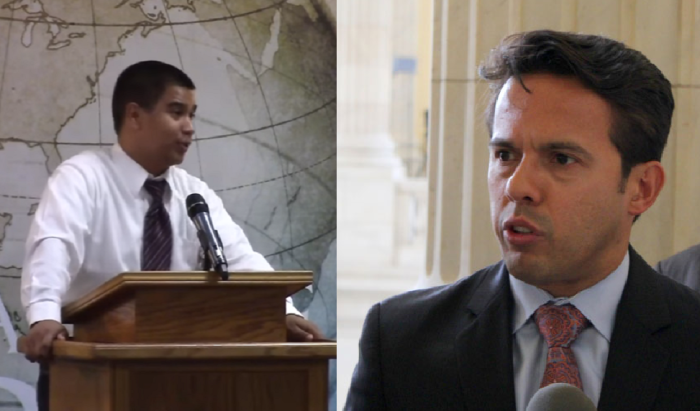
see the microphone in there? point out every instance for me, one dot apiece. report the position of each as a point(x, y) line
point(560, 397)
point(198, 211)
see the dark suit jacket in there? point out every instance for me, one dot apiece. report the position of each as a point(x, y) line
point(450, 347)
point(683, 267)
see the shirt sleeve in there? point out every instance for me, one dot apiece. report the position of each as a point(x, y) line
point(55, 246)
point(239, 253)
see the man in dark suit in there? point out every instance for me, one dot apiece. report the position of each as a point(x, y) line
point(577, 128)
point(683, 267)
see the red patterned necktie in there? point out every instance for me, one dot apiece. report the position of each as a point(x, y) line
point(157, 250)
point(560, 326)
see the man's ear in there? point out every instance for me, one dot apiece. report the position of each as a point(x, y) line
point(643, 186)
point(133, 116)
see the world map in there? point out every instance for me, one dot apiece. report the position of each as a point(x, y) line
point(265, 72)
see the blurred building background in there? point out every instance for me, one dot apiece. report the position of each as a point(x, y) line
point(413, 206)
point(383, 96)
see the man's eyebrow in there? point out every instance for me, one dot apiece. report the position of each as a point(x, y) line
point(566, 146)
point(501, 143)
point(176, 104)
point(180, 105)
point(551, 146)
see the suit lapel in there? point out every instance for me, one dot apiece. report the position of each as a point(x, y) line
point(636, 360)
point(484, 346)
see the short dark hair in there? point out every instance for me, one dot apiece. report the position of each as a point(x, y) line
point(637, 91)
point(144, 83)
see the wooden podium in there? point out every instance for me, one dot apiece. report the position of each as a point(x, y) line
point(186, 341)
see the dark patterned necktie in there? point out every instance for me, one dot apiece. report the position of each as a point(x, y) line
point(560, 326)
point(157, 249)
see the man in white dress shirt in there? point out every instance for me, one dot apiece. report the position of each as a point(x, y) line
point(94, 213)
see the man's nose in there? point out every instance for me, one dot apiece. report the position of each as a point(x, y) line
point(188, 126)
point(524, 184)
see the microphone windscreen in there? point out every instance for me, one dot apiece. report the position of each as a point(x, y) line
point(196, 204)
point(560, 397)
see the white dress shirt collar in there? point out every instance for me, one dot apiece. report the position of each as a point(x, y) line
point(598, 303)
point(131, 173)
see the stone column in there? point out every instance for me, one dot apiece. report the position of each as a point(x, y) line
point(404, 82)
point(367, 164)
point(457, 144)
point(367, 171)
point(460, 237)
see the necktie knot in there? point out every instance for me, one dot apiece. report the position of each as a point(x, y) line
point(560, 325)
point(156, 188)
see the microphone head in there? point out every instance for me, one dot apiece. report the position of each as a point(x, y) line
point(196, 204)
point(560, 396)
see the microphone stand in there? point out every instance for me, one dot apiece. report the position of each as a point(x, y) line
point(222, 268)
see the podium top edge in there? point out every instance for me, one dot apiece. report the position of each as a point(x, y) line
point(99, 351)
point(292, 280)
point(212, 277)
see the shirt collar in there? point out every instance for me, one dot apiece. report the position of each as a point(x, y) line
point(598, 303)
point(131, 172)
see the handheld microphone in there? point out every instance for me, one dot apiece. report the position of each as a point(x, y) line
point(560, 397)
point(198, 211)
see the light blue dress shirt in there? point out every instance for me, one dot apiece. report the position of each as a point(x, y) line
point(598, 303)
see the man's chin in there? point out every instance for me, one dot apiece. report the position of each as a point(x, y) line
point(523, 266)
point(177, 159)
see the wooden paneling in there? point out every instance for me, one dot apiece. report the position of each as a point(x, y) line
point(249, 314)
point(111, 324)
point(77, 386)
point(228, 386)
point(233, 385)
point(183, 315)
point(253, 391)
point(318, 382)
point(239, 386)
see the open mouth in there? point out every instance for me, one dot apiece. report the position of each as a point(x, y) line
point(521, 232)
